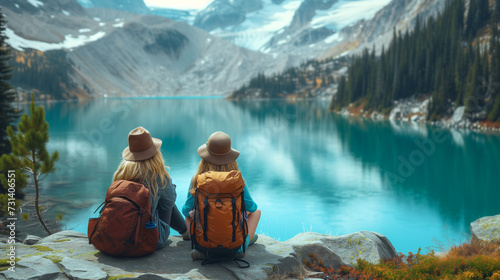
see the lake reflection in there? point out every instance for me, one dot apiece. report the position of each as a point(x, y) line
point(307, 169)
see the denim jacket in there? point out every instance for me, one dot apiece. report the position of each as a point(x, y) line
point(161, 208)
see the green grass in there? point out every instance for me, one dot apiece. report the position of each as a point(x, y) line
point(471, 260)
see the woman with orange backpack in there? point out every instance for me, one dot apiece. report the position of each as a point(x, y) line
point(143, 162)
point(220, 212)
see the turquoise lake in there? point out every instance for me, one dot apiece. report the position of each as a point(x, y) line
point(307, 169)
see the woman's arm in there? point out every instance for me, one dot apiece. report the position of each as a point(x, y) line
point(250, 205)
point(188, 205)
point(166, 202)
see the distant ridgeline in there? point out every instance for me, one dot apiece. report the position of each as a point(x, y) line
point(47, 73)
point(454, 58)
point(307, 80)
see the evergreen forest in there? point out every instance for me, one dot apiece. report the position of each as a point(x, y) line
point(454, 58)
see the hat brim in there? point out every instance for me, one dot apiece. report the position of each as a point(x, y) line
point(217, 159)
point(142, 155)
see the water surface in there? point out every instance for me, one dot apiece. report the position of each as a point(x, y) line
point(307, 169)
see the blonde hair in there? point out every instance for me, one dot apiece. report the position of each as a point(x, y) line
point(206, 166)
point(146, 170)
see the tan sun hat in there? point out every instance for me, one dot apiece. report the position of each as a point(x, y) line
point(141, 145)
point(218, 149)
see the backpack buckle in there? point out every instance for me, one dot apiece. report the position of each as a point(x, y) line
point(218, 203)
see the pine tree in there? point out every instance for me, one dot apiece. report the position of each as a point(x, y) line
point(29, 151)
point(8, 113)
point(494, 87)
point(483, 7)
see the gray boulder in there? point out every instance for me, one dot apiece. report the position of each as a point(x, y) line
point(31, 239)
point(459, 118)
point(82, 270)
point(36, 267)
point(486, 229)
point(366, 245)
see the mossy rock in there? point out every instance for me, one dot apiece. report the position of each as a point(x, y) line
point(4, 263)
point(486, 229)
point(121, 276)
point(54, 259)
point(33, 255)
point(62, 240)
point(42, 248)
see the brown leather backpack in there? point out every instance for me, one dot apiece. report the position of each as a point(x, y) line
point(125, 227)
point(219, 227)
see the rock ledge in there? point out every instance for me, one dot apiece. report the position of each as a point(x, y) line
point(67, 255)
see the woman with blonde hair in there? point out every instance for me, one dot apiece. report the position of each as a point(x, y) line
point(217, 155)
point(143, 162)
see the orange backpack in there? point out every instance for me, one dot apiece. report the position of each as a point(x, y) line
point(219, 228)
point(125, 227)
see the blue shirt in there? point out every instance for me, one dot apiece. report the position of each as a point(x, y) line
point(250, 205)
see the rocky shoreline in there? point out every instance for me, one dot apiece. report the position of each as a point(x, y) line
point(68, 255)
point(414, 110)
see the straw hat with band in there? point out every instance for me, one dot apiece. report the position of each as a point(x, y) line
point(141, 145)
point(218, 149)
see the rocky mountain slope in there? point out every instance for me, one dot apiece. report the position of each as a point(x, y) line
point(116, 53)
point(398, 15)
point(317, 77)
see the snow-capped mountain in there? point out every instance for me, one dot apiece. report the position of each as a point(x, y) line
point(270, 24)
point(187, 16)
point(116, 53)
point(110, 52)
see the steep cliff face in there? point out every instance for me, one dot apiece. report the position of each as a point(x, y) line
point(300, 32)
point(224, 13)
point(306, 12)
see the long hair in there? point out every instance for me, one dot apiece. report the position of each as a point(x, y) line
point(206, 166)
point(148, 170)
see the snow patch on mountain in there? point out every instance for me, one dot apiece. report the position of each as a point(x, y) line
point(85, 3)
point(344, 13)
point(260, 26)
point(35, 3)
point(70, 42)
